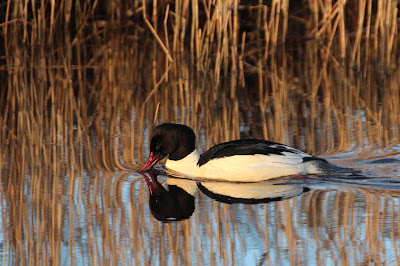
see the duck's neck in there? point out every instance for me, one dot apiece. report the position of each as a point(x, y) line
point(182, 151)
point(186, 166)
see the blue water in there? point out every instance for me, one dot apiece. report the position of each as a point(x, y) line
point(104, 218)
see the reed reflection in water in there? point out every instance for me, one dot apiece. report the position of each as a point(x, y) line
point(106, 220)
point(81, 82)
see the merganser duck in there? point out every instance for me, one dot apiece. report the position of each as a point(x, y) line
point(248, 160)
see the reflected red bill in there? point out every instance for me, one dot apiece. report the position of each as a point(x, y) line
point(152, 187)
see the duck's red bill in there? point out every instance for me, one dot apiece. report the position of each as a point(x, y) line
point(151, 161)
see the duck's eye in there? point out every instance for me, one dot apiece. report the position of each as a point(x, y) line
point(158, 148)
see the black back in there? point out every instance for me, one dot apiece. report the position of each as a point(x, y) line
point(245, 147)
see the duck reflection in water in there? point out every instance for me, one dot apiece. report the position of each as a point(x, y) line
point(250, 193)
point(176, 202)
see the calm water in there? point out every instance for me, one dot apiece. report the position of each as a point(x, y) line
point(104, 218)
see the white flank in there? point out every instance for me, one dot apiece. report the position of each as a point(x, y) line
point(241, 168)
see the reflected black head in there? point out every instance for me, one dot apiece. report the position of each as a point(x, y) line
point(174, 140)
point(174, 204)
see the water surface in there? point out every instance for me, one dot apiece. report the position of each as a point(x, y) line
point(102, 217)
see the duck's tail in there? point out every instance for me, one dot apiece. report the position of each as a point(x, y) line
point(320, 166)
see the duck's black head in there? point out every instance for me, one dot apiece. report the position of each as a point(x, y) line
point(173, 140)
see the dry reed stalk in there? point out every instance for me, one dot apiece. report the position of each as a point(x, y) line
point(154, 31)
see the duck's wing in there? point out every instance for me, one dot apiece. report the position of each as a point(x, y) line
point(252, 147)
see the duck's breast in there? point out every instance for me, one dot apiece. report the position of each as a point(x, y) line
point(187, 166)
